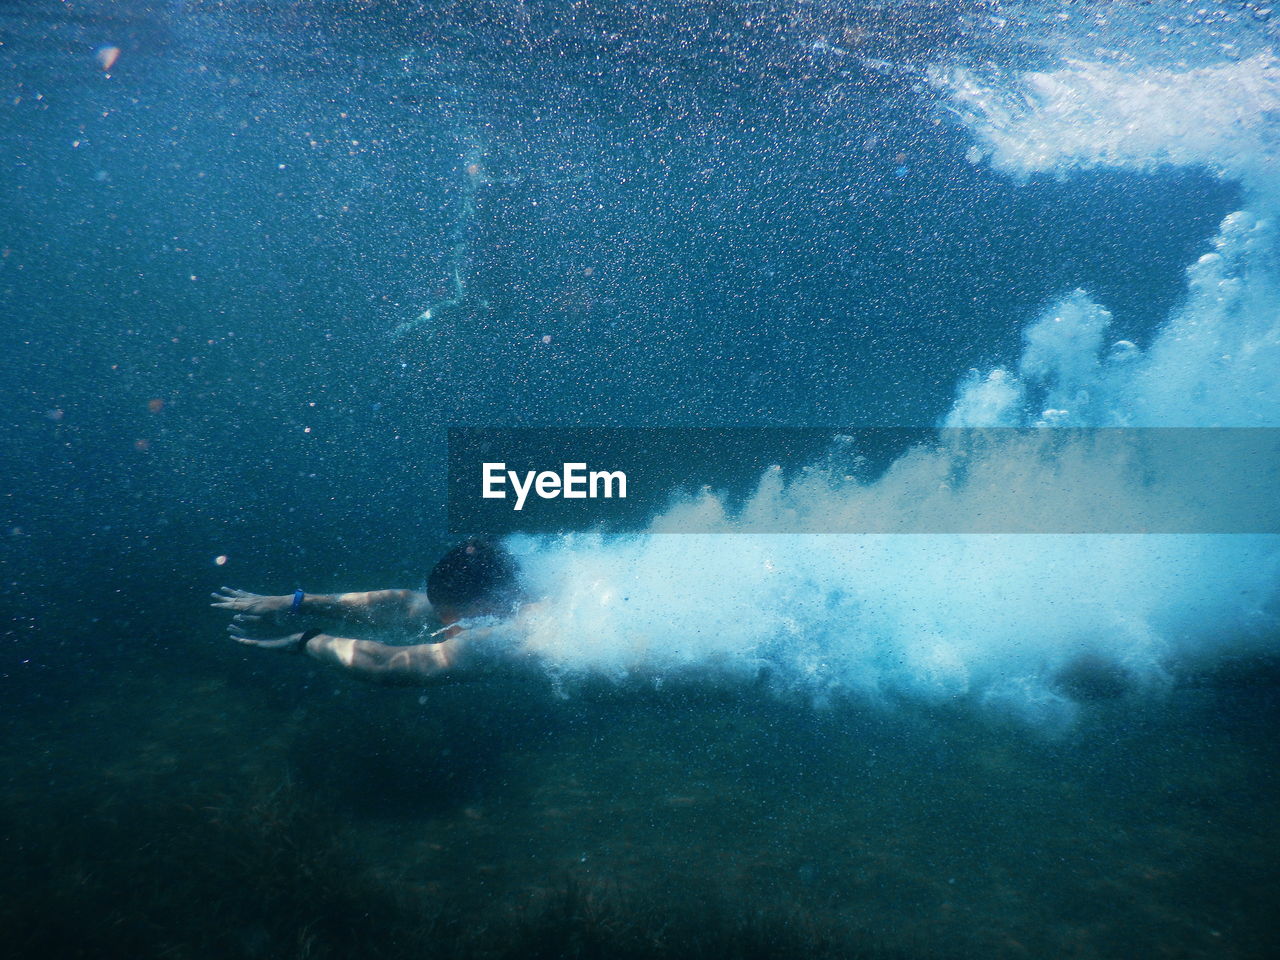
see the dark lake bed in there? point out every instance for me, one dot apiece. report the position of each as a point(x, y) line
point(237, 810)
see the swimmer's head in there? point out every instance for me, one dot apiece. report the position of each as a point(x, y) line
point(474, 579)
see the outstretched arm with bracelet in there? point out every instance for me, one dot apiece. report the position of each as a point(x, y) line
point(473, 582)
point(384, 609)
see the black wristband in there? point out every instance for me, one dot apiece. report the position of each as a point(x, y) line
point(301, 646)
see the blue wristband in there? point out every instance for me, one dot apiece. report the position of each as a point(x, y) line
point(297, 601)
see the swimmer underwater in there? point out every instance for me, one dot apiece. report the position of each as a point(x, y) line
point(473, 621)
point(467, 622)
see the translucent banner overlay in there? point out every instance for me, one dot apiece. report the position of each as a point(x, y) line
point(894, 480)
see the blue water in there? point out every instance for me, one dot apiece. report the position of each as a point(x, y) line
point(256, 258)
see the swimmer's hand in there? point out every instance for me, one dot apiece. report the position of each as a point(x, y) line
point(291, 643)
point(252, 608)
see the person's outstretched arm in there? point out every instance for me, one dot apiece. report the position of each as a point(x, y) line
point(370, 660)
point(375, 608)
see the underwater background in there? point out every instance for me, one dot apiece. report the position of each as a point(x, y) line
point(257, 257)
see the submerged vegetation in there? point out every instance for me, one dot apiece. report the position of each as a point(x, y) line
point(165, 840)
point(215, 812)
point(273, 874)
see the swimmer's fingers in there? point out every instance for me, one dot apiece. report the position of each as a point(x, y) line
point(283, 643)
point(246, 618)
point(231, 593)
point(245, 602)
point(229, 599)
point(275, 643)
point(254, 628)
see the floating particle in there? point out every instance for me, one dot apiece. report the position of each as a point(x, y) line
point(155, 405)
point(142, 446)
point(55, 415)
point(220, 560)
point(974, 155)
point(107, 57)
point(546, 338)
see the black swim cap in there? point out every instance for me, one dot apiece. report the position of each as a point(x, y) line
point(475, 578)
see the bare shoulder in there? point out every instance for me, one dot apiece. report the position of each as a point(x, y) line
point(490, 646)
point(417, 606)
